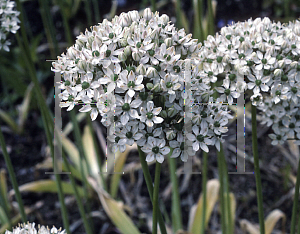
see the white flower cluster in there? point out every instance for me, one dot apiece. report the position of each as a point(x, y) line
point(9, 22)
point(30, 229)
point(131, 71)
point(263, 57)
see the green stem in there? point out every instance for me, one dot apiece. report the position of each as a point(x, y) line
point(66, 24)
point(64, 212)
point(153, 4)
point(98, 151)
point(13, 178)
point(83, 160)
point(222, 199)
point(257, 171)
point(150, 187)
point(204, 181)
point(178, 14)
point(48, 26)
point(198, 27)
point(87, 227)
point(226, 191)
point(176, 210)
point(295, 205)
point(155, 197)
point(87, 8)
point(210, 19)
point(96, 10)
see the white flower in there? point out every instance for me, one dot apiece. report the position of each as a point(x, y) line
point(199, 138)
point(130, 82)
point(258, 82)
point(263, 61)
point(149, 115)
point(126, 108)
point(156, 149)
point(179, 148)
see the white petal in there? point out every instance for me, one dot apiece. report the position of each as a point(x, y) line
point(204, 147)
point(94, 114)
point(165, 150)
point(191, 137)
point(124, 118)
point(131, 92)
point(157, 110)
point(159, 158)
point(150, 157)
point(134, 114)
point(157, 119)
point(195, 146)
point(150, 106)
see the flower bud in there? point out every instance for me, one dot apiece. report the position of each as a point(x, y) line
point(168, 42)
point(165, 19)
point(164, 114)
point(134, 15)
point(147, 14)
point(98, 40)
point(80, 43)
point(151, 72)
point(127, 51)
point(157, 88)
point(170, 135)
point(278, 72)
point(123, 42)
point(72, 53)
point(127, 33)
point(141, 69)
point(294, 64)
point(122, 56)
point(123, 20)
point(149, 86)
point(172, 112)
point(154, 34)
point(136, 56)
point(82, 65)
point(281, 63)
point(90, 40)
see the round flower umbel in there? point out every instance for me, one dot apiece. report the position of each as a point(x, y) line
point(261, 58)
point(30, 229)
point(156, 149)
point(8, 22)
point(132, 71)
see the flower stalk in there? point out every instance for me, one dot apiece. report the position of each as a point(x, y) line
point(204, 181)
point(150, 188)
point(257, 171)
point(13, 177)
point(222, 197)
point(176, 209)
point(155, 197)
point(295, 205)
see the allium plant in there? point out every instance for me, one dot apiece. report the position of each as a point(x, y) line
point(262, 57)
point(131, 71)
point(9, 22)
point(30, 229)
